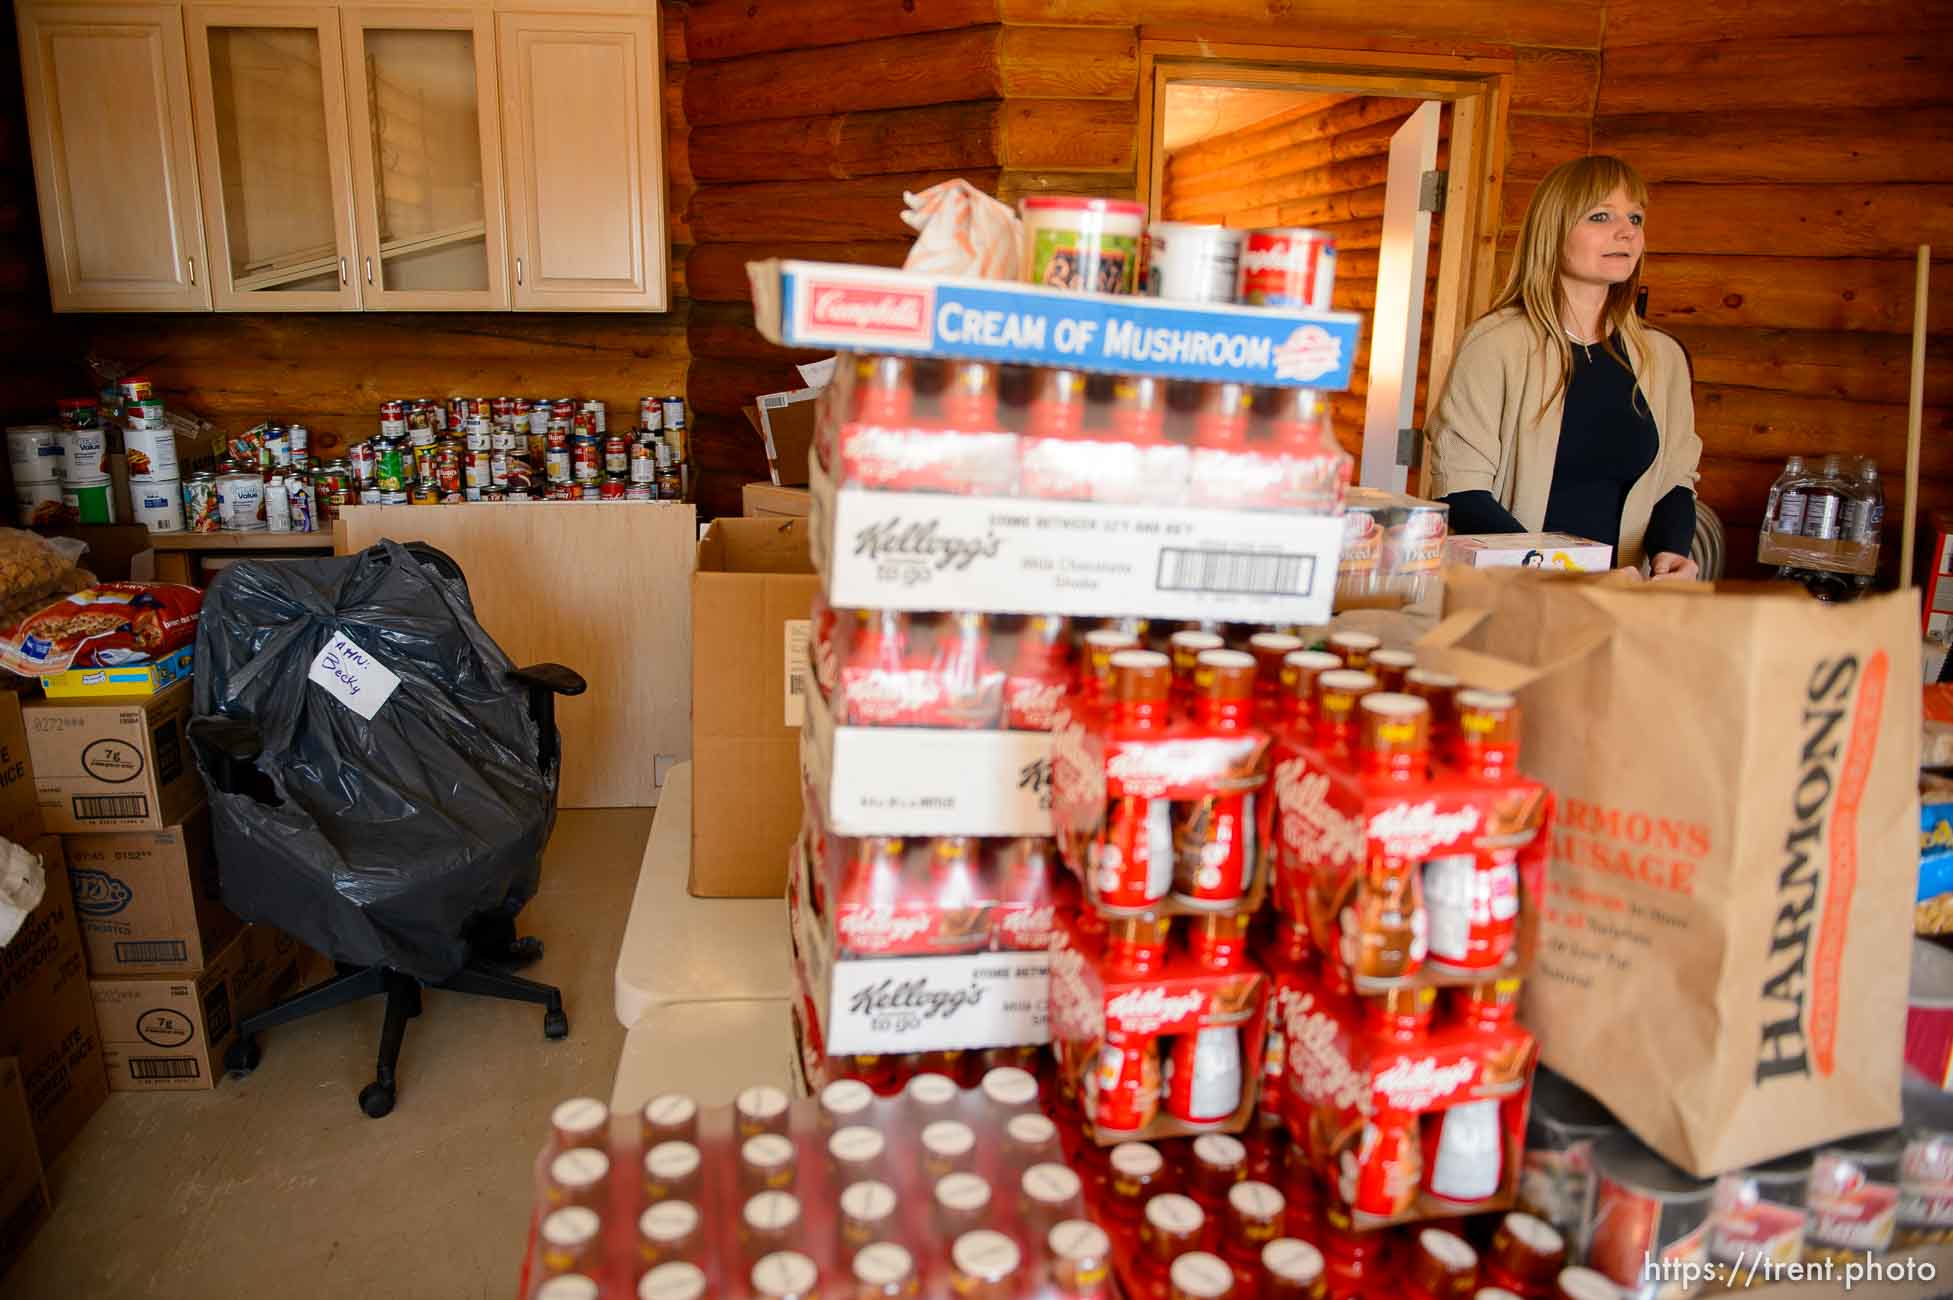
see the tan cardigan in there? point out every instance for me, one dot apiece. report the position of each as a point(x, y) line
point(1490, 435)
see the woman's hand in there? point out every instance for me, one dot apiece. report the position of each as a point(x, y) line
point(1667, 564)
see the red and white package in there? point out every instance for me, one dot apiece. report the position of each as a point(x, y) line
point(104, 626)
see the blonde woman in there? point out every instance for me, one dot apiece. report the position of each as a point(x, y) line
point(1563, 412)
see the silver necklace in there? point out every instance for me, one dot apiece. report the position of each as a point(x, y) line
point(1586, 345)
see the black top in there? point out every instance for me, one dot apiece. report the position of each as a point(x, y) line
point(1608, 440)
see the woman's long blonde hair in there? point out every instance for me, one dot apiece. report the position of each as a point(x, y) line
point(1563, 199)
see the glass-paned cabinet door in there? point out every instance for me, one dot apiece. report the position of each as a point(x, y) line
point(427, 157)
point(272, 150)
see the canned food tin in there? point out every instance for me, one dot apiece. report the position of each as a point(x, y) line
point(614, 487)
point(1759, 1213)
point(240, 501)
point(427, 462)
point(151, 454)
point(562, 492)
point(394, 411)
point(539, 413)
point(1926, 1190)
point(598, 416)
point(39, 505)
point(644, 463)
point(1647, 1209)
point(361, 462)
point(82, 412)
point(393, 498)
point(1192, 263)
point(480, 469)
point(136, 388)
point(617, 455)
point(278, 448)
point(149, 411)
point(651, 414)
point(390, 467)
point(505, 410)
point(1287, 268)
point(673, 408)
point(1853, 1197)
point(504, 440)
point(447, 476)
point(639, 492)
point(393, 428)
point(562, 408)
point(586, 459)
point(300, 439)
point(590, 491)
point(558, 466)
point(34, 450)
point(424, 495)
point(420, 419)
point(1087, 245)
point(480, 434)
point(200, 504)
point(84, 455)
point(1556, 1182)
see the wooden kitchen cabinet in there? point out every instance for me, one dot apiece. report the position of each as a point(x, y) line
point(108, 111)
point(427, 158)
point(273, 154)
point(583, 136)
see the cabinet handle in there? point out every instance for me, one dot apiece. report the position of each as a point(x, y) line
point(518, 270)
point(342, 270)
point(369, 270)
point(193, 270)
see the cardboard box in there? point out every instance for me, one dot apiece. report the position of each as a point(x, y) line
point(170, 1035)
point(23, 1183)
point(1559, 551)
point(118, 764)
point(764, 500)
point(923, 780)
point(148, 899)
point(785, 424)
point(20, 809)
point(752, 592)
point(129, 679)
point(47, 1017)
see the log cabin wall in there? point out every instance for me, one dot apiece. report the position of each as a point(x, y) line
point(330, 371)
point(1321, 163)
point(1797, 153)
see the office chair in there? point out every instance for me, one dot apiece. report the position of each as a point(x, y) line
point(229, 748)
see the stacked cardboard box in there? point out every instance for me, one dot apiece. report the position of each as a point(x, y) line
point(171, 971)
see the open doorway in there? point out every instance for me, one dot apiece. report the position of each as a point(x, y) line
point(1398, 164)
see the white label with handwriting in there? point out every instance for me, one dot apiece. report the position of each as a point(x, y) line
point(353, 677)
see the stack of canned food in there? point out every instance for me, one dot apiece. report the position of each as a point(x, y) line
point(61, 470)
point(434, 453)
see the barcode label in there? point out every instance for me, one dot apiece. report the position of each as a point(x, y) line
point(799, 631)
point(164, 1067)
point(106, 807)
point(152, 952)
point(1259, 573)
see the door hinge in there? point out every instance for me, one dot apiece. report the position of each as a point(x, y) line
point(1407, 445)
point(1430, 191)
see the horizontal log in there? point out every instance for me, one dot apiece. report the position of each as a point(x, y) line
point(1289, 160)
point(727, 387)
point(1283, 132)
point(1804, 220)
point(1536, 145)
point(729, 29)
point(1858, 367)
point(1797, 72)
point(1662, 22)
point(1575, 25)
point(1015, 184)
point(1559, 82)
point(1331, 209)
point(1756, 424)
point(1070, 134)
point(1067, 63)
point(868, 207)
point(1790, 293)
point(717, 272)
point(1868, 146)
point(1335, 178)
point(843, 145)
point(724, 331)
point(914, 71)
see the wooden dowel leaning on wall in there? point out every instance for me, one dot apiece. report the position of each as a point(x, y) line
point(1915, 405)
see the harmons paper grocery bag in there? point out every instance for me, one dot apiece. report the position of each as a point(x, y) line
point(1729, 897)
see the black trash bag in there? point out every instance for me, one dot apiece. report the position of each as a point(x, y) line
point(382, 842)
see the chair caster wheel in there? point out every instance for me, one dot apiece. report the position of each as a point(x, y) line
point(523, 952)
point(243, 1056)
point(556, 1024)
point(376, 1099)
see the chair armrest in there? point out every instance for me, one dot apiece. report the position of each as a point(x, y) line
point(554, 678)
point(234, 738)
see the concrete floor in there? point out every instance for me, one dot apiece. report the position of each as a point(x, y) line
point(277, 1185)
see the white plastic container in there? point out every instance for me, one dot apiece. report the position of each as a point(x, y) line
point(38, 504)
point(84, 454)
point(35, 453)
point(240, 502)
point(1085, 244)
point(157, 504)
point(152, 454)
point(1192, 263)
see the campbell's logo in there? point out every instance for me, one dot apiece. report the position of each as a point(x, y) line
point(1309, 828)
point(924, 542)
point(1415, 830)
point(1149, 1010)
point(869, 309)
point(97, 893)
point(1412, 1087)
point(880, 926)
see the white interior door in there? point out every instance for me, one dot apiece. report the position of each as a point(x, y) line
point(1396, 324)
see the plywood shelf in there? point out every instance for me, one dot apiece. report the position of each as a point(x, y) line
point(321, 542)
